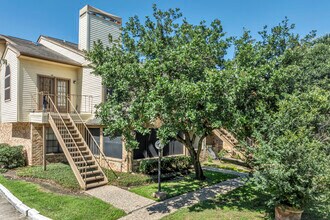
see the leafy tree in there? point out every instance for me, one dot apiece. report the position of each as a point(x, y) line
point(265, 70)
point(165, 70)
point(293, 164)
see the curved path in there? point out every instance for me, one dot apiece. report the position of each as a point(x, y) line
point(8, 212)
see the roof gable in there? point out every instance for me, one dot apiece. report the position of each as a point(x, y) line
point(36, 50)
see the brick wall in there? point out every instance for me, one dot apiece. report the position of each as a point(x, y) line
point(17, 134)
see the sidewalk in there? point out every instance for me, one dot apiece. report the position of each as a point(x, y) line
point(140, 208)
point(8, 212)
point(161, 209)
point(120, 198)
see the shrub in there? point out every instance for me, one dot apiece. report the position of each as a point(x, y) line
point(293, 164)
point(11, 156)
point(169, 164)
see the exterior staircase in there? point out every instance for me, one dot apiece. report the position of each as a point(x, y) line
point(85, 166)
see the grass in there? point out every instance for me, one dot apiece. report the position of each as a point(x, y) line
point(63, 175)
point(227, 166)
point(178, 187)
point(244, 203)
point(128, 179)
point(59, 173)
point(58, 206)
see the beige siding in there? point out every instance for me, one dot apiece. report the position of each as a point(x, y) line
point(68, 53)
point(2, 48)
point(83, 31)
point(100, 30)
point(91, 85)
point(9, 108)
point(30, 69)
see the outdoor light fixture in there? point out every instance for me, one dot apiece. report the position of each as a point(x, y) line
point(74, 81)
point(159, 194)
point(3, 62)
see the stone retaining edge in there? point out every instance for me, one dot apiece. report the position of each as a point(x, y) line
point(20, 206)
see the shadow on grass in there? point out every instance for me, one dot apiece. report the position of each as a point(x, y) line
point(245, 198)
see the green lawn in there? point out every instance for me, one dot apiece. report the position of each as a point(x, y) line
point(227, 166)
point(244, 203)
point(58, 206)
point(59, 173)
point(187, 184)
point(63, 175)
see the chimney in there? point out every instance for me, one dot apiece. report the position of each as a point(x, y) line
point(94, 25)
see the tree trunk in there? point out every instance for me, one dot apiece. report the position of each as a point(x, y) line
point(199, 174)
point(189, 144)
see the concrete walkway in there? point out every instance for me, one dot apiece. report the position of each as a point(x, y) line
point(7, 211)
point(120, 198)
point(161, 209)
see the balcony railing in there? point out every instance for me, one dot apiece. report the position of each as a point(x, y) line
point(40, 102)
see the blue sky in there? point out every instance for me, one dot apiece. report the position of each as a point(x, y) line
point(59, 18)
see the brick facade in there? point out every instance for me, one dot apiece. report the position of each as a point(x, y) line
point(17, 134)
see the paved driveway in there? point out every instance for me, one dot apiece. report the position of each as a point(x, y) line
point(8, 212)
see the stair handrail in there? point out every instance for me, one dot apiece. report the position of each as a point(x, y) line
point(85, 162)
point(97, 145)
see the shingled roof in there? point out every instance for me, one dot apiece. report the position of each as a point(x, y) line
point(36, 50)
point(64, 43)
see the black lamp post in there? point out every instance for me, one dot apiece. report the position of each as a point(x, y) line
point(159, 194)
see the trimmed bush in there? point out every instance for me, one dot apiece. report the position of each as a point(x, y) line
point(11, 156)
point(168, 165)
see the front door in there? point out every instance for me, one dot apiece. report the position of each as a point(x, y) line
point(62, 90)
point(46, 87)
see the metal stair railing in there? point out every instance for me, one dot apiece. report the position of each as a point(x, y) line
point(91, 142)
point(64, 129)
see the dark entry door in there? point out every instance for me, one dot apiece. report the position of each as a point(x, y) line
point(46, 87)
point(62, 95)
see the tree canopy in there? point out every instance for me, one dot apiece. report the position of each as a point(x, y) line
point(165, 69)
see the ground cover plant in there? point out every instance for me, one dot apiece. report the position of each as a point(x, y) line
point(63, 175)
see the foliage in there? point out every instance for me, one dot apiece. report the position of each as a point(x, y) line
point(168, 164)
point(128, 179)
point(58, 206)
point(228, 166)
point(181, 186)
point(293, 163)
point(3, 170)
point(59, 173)
point(222, 153)
point(267, 69)
point(11, 156)
point(166, 70)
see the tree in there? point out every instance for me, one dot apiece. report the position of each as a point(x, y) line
point(265, 70)
point(166, 70)
point(293, 164)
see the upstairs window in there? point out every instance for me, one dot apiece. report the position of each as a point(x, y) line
point(7, 83)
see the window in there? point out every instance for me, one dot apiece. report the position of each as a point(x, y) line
point(107, 93)
point(147, 147)
point(7, 83)
point(96, 135)
point(113, 147)
point(52, 145)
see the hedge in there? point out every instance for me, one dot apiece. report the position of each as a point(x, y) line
point(11, 156)
point(168, 165)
